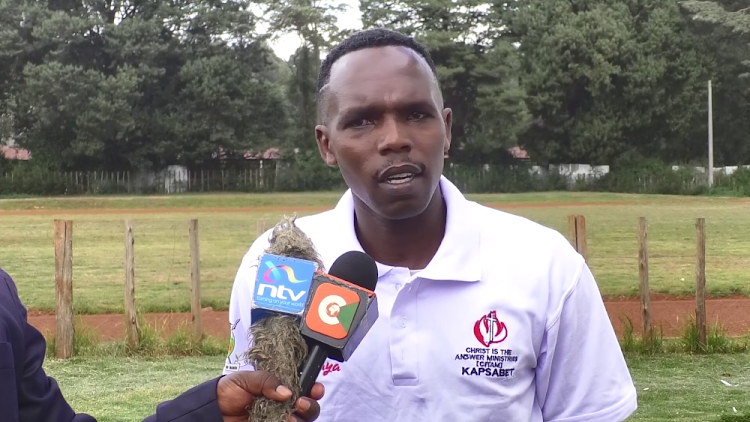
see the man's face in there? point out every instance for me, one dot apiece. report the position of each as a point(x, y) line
point(385, 128)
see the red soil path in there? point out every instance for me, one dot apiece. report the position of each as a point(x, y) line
point(732, 313)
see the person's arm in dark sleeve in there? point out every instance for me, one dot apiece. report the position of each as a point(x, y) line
point(195, 405)
point(39, 396)
point(40, 399)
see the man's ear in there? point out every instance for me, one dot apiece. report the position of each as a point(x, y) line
point(448, 121)
point(324, 145)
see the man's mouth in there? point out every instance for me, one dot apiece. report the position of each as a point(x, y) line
point(400, 174)
point(400, 178)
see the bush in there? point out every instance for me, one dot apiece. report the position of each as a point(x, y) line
point(652, 177)
point(308, 172)
point(503, 179)
point(23, 178)
point(739, 181)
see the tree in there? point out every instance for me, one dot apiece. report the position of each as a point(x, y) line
point(476, 64)
point(725, 26)
point(315, 23)
point(734, 15)
point(138, 85)
point(608, 80)
point(7, 127)
point(224, 106)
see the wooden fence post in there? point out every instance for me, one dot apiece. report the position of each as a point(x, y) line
point(572, 233)
point(644, 287)
point(64, 288)
point(195, 279)
point(700, 281)
point(577, 234)
point(581, 237)
point(132, 330)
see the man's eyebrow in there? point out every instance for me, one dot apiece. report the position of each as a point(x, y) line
point(356, 111)
point(353, 112)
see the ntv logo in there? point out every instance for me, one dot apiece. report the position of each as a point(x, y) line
point(282, 283)
point(273, 275)
point(278, 292)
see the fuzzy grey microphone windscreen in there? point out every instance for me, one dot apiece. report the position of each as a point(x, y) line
point(277, 345)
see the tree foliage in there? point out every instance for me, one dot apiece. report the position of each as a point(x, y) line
point(734, 14)
point(610, 79)
point(121, 85)
point(477, 69)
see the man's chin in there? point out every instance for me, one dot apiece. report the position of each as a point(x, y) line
point(403, 209)
point(388, 205)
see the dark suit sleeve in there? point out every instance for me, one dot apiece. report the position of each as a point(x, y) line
point(195, 405)
point(40, 398)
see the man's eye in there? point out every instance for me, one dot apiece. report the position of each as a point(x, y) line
point(417, 116)
point(360, 123)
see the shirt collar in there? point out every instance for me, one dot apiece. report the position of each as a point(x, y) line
point(456, 259)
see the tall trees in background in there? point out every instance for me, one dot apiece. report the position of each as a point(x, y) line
point(89, 84)
point(478, 68)
point(609, 79)
point(134, 84)
point(314, 23)
point(725, 27)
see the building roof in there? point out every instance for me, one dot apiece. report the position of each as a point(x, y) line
point(518, 152)
point(12, 153)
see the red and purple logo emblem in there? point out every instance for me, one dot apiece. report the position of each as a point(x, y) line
point(490, 330)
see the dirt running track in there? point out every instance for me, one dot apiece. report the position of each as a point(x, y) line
point(732, 313)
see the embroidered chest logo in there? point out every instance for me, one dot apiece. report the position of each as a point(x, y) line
point(489, 330)
point(488, 361)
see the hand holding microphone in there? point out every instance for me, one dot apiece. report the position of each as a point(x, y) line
point(280, 292)
point(236, 392)
point(301, 316)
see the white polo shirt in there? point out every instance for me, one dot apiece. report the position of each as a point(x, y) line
point(505, 324)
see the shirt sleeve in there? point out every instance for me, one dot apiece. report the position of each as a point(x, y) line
point(581, 371)
point(240, 302)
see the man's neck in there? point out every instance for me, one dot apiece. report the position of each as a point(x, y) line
point(410, 243)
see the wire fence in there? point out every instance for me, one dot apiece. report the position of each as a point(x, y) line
point(284, 176)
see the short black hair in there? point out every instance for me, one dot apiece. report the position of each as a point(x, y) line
point(371, 38)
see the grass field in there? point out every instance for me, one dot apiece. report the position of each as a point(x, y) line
point(228, 227)
point(671, 388)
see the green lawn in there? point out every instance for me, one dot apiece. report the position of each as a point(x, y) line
point(238, 200)
point(680, 387)
point(162, 250)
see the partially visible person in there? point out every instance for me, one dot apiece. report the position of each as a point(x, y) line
point(27, 394)
point(484, 315)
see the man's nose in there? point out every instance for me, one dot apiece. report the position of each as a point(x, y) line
point(394, 137)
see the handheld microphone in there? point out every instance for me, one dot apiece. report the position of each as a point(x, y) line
point(341, 307)
point(282, 286)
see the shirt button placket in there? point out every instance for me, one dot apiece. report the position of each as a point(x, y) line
point(404, 347)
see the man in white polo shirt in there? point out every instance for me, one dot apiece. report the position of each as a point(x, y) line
point(484, 316)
